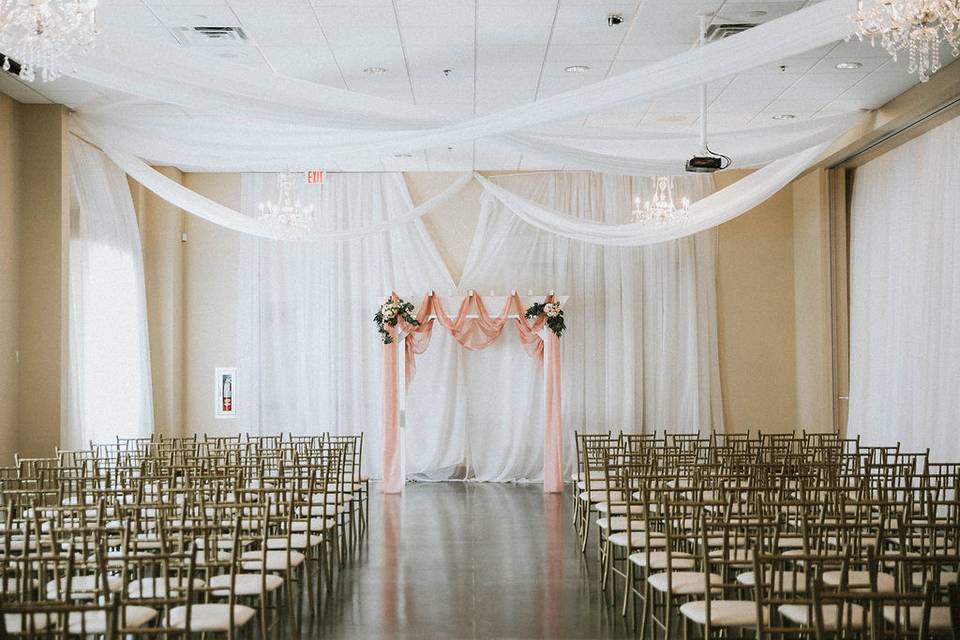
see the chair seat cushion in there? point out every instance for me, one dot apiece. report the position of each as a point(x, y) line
point(246, 584)
point(19, 623)
point(209, 617)
point(946, 577)
point(95, 622)
point(723, 613)
point(82, 587)
point(297, 541)
point(683, 582)
point(619, 523)
point(314, 524)
point(738, 557)
point(161, 587)
point(910, 617)
point(276, 560)
point(801, 614)
point(638, 539)
point(860, 580)
point(599, 495)
point(616, 508)
point(658, 560)
point(783, 581)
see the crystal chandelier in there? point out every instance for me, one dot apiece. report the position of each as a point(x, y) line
point(661, 209)
point(45, 34)
point(287, 209)
point(919, 26)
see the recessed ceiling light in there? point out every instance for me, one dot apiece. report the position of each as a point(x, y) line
point(758, 13)
point(375, 71)
point(577, 68)
point(671, 119)
point(403, 155)
point(849, 65)
point(784, 116)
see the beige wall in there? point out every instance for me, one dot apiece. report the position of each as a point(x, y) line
point(44, 234)
point(812, 299)
point(161, 226)
point(755, 309)
point(9, 275)
point(210, 266)
point(451, 225)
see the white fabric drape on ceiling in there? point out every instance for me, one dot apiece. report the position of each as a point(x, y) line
point(640, 351)
point(709, 212)
point(364, 125)
point(311, 358)
point(905, 296)
point(108, 389)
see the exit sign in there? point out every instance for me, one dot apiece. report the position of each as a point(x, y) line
point(315, 176)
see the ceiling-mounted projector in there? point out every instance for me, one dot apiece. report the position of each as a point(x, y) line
point(707, 161)
point(704, 164)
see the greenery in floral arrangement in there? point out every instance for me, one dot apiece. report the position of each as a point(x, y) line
point(554, 315)
point(390, 313)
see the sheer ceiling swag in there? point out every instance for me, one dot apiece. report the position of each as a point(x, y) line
point(704, 213)
point(204, 113)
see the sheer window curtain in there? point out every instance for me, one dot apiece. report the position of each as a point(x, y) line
point(905, 296)
point(108, 389)
point(640, 351)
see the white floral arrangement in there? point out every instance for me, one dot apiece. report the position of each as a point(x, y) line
point(554, 313)
point(389, 315)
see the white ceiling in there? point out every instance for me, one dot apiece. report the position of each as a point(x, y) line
point(502, 53)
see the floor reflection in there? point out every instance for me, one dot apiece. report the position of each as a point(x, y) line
point(469, 560)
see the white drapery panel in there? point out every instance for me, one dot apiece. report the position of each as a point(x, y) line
point(905, 296)
point(640, 351)
point(308, 351)
point(109, 388)
point(168, 75)
point(311, 359)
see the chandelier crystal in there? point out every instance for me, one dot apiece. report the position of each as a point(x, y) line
point(45, 35)
point(287, 209)
point(660, 209)
point(918, 26)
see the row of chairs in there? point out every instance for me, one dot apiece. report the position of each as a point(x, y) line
point(175, 536)
point(771, 535)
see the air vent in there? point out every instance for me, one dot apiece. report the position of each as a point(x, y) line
point(720, 31)
point(211, 36)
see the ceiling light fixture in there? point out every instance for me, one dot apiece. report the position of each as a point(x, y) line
point(287, 209)
point(784, 116)
point(375, 71)
point(403, 155)
point(577, 68)
point(660, 209)
point(849, 65)
point(46, 34)
point(919, 26)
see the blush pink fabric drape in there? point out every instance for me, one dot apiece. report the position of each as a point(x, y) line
point(474, 334)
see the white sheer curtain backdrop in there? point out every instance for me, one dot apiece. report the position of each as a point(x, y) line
point(310, 358)
point(905, 296)
point(109, 389)
point(640, 350)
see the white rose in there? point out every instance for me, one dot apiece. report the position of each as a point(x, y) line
point(552, 310)
point(388, 311)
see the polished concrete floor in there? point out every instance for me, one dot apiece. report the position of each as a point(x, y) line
point(469, 560)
